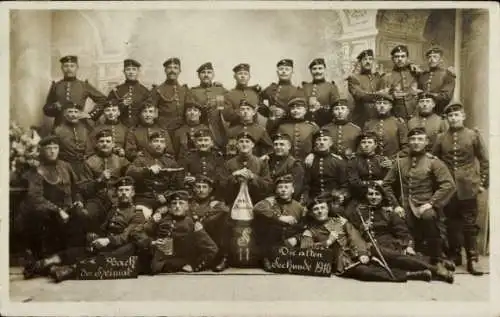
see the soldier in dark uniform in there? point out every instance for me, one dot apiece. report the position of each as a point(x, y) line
point(130, 95)
point(101, 170)
point(402, 83)
point(281, 163)
point(427, 119)
point(170, 96)
point(214, 216)
point(51, 213)
point(437, 81)
point(137, 139)
point(327, 171)
point(174, 241)
point(459, 148)
point(232, 100)
point(427, 187)
point(71, 89)
point(74, 134)
point(277, 218)
point(183, 137)
point(156, 173)
point(247, 123)
point(391, 130)
point(320, 94)
point(113, 238)
point(210, 95)
point(343, 132)
point(299, 130)
point(111, 112)
point(246, 167)
point(363, 87)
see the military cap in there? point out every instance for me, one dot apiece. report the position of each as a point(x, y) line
point(156, 135)
point(285, 62)
point(69, 105)
point(297, 101)
point(192, 104)
point(317, 61)
point(69, 59)
point(240, 67)
point(320, 133)
point(172, 60)
point(125, 181)
point(288, 178)
point(368, 135)
point(49, 139)
point(245, 135)
point(425, 95)
point(363, 54)
point(400, 49)
point(434, 49)
point(202, 133)
point(131, 62)
point(204, 179)
point(379, 96)
point(321, 198)
point(104, 133)
point(111, 103)
point(341, 102)
point(245, 102)
point(281, 136)
point(453, 106)
point(147, 103)
point(177, 195)
point(416, 131)
point(205, 66)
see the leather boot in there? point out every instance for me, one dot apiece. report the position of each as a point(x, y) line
point(32, 267)
point(266, 264)
point(424, 275)
point(457, 260)
point(222, 265)
point(63, 273)
point(443, 274)
point(449, 265)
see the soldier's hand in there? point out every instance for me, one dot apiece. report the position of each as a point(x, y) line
point(58, 105)
point(291, 242)
point(189, 179)
point(410, 251)
point(161, 199)
point(187, 268)
point(64, 215)
point(364, 259)
point(127, 101)
point(264, 157)
point(415, 68)
point(197, 226)
point(105, 175)
point(379, 182)
point(424, 208)
point(78, 204)
point(333, 236)
point(314, 104)
point(481, 189)
point(309, 159)
point(219, 99)
point(84, 115)
point(386, 163)
point(119, 151)
point(156, 216)
point(400, 211)
point(288, 219)
point(100, 243)
point(158, 242)
point(155, 169)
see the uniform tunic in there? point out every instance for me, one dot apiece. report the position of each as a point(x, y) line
point(402, 80)
point(441, 83)
point(362, 87)
point(75, 90)
point(210, 164)
point(362, 170)
point(263, 143)
point(137, 92)
point(326, 173)
point(279, 94)
point(137, 140)
point(301, 132)
point(118, 130)
point(433, 125)
point(280, 166)
point(183, 139)
point(232, 102)
point(327, 94)
point(344, 136)
point(169, 98)
point(392, 134)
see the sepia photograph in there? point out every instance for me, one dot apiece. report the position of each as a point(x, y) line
point(243, 151)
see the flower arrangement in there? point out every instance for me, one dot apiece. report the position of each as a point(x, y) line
point(24, 151)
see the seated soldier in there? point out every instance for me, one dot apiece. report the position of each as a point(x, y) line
point(111, 240)
point(51, 214)
point(101, 170)
point(137, 139)
point(194, 120)
point(277, 218)
point(246, 167)
point(74, 137)
point(214, 216)
point(353, 257)
point(111, 113)
point(156, 173)
point(282, 163)
point(173, 240)
point(374, 216)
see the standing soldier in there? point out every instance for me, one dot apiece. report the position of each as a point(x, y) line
point(74, 134)
point(210, 95)
point(426, 186)
point(194, 120)
point(299, 130)
point(111, 112)
point(130, 95)
point(363, 87)
point(427, 119)
point(401, 82)
point(170, 96)
point(320, 94)
point(459, 148)
point(437, 81)
point(74, 90)
point(233, 99)
point(344, 133)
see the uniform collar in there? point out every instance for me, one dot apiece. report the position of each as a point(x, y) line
point(125, 205)
point(131, 82)
point(284, 82)
point(425, 115)
point(109, 122)
point(383, 116)
point(365, 71)
point(172, 82)
point(203, 85)
point(283, 201)
point(318, 81)
point(322, 153)
point(69, 78)
point(241, 87)
point(451, 129)
point(244, 157)
point(341, 122)
point(400, 69)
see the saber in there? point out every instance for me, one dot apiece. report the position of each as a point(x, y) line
point(386, 266)
point(400, 181)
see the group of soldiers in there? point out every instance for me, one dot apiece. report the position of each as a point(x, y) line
point(391, 183)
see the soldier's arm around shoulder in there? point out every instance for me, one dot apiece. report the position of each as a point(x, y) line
point(444, 181)
point(50, 108)
point(481, 154)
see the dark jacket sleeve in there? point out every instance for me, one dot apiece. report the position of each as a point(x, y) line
point(482, 156)
point(131, 145)
point(390, 180)
point(98, 98)
point(445, 184)
point(262, 182)
point(50, 109)
point(35, 196)
point(354, 87)
point(446, 91)
point(206, 249)
point(356, 242)
point(400, 230)
point(136, 220)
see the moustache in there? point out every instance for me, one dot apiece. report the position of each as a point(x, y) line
point(171, 73)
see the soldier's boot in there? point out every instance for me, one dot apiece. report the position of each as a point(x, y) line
point(33, 267)
point(424, 275)
point(63, 273)
point(222, 265)
point(472, 258)
point(443, 274)
point(266, 263)
point(449, 265)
